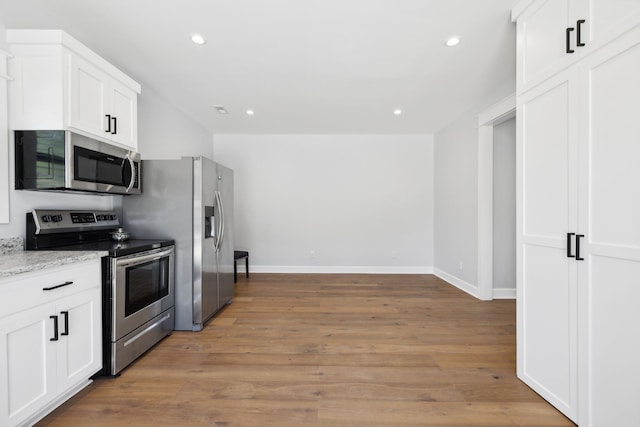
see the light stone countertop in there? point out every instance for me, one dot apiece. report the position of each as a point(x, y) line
point(11, 244)
point(26, 261)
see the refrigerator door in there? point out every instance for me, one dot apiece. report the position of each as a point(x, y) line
point(226, 246)
point(165, 210)
point(206, 216)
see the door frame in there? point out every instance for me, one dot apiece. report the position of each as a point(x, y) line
point(487, 120)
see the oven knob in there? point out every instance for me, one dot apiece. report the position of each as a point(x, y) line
point(46, 218)
point(56, 218)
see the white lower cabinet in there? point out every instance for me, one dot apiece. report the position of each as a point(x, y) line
point(48, 351)
point(579, 237)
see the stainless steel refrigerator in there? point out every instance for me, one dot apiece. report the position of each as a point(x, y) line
point(190, 201)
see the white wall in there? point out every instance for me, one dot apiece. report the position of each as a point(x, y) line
point(456, 197)
point(4, 135)
point(456, 171)
point(167, 133)
point(504, 205)
point(332, 203)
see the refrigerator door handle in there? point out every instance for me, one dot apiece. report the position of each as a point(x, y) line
point(221, 222)
point(216, 224)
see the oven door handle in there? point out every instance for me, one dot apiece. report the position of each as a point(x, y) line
point(141, 259)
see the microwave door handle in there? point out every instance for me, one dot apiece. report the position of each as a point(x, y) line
point(133, 173)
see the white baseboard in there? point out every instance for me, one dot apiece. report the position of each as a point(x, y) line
point(457, 282)
point(504, 293)
point(317, 269)
point(501, 293)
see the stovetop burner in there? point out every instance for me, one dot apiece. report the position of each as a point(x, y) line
point(81, 230)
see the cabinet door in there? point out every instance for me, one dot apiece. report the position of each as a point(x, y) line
point(547, 278)
point(609, 279)
point(542, 41)
point(80, 348)
point(607, 19)
point(27, 363)
point(125, 110)
point(88, 97)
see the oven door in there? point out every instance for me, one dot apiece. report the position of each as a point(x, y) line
point(143, 287)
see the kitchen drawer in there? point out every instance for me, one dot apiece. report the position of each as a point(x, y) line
point(28, 290)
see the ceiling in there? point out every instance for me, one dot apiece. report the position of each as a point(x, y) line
point(303, 66)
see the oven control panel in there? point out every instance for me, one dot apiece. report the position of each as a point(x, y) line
point(93, 217)
point(57, 221)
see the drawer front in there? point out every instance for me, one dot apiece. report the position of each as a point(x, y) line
point(29, 290)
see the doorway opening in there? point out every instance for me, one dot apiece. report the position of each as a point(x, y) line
point(487, 121)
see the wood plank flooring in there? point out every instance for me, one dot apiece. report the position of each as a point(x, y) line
point(327, 350)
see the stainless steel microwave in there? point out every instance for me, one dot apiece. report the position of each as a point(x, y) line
point(60, 160)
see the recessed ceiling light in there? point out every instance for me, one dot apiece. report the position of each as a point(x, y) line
point(249, 112)
point(452, 41)
point(198, 39)
point(397, 112)
point(220, 109)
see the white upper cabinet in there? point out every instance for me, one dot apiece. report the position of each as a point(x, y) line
point(61, 84)
point(553, 34)
point(101, 105)
point(608, 19)
point(542, 49)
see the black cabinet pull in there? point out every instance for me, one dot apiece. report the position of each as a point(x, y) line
point(55, 328)
point(108, 123)
point(115, 125)
point(66, 322)
point(578, 237)
point(50, 288)
point(569, 235)
point(568, 41)
point(579, 32)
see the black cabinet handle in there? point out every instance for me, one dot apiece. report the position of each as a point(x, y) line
point(108, 123)
point(66, 322)
point(115, 125)
point(579, 32)
point(568, 41)
point(55, 328)
point(569, 236)
point(50, 288)
point(578, 237)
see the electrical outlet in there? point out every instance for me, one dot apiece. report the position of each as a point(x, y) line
point(312, 253)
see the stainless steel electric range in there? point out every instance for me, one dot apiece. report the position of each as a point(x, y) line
point(138, 278)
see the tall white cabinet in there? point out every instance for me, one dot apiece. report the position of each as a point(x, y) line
point(578, 154)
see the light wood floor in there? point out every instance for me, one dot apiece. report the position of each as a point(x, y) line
point(327, 350)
